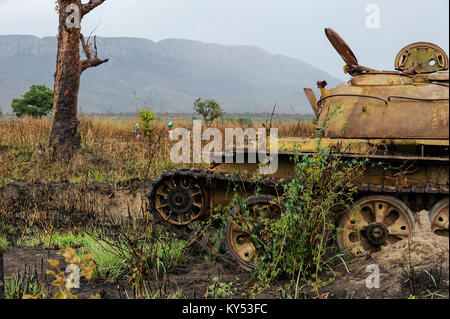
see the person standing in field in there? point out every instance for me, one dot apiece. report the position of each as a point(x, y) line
point(170, 126)
point(137, 132)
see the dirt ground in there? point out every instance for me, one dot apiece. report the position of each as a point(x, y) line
point(416, 268)
point(192, 279)
point(422, 270)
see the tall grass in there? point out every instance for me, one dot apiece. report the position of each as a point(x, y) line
point(109, 151)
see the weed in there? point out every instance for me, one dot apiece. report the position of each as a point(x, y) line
point(220, 289)
point(297, 237)
point(82, 267)
point(4, 244)
point(22, 283)
point(54, 240)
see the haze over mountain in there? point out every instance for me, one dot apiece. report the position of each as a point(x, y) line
point(169, 75)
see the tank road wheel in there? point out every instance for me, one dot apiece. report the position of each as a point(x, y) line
point(439, 218)
point(180, 200)
point(238, 231)
point(374, 222)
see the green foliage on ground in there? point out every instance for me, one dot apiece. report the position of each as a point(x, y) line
point(54, 240)
point(25, 282)
point(300, 241)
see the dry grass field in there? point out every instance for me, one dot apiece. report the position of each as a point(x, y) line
point(109, 151)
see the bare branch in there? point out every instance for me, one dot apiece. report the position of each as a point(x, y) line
point(91, 63)
point(95, 45)
point(86, 47)
point(91, 5)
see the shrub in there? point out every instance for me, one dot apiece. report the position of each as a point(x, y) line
point(146, 117)
point(300, 241)
point(297, 243)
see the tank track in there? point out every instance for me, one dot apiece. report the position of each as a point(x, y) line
point(209, 176)
point(183, 232)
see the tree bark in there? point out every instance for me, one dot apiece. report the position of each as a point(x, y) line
point(2, 277)
point(64, 135)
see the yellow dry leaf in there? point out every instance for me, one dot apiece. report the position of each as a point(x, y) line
point(68, 253)
point(51, 272)
point(54, 263)
point(88, 257)
point(76, 260)
point(59, 282)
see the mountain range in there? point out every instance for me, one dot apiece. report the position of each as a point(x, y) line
point(166, 76)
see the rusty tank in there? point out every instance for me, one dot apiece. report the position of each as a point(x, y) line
point(398, 117)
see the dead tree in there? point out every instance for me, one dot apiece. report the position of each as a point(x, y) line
point(64, 135)
point(2, 277)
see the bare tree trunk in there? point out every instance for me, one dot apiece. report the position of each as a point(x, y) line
point(2, 277)
point(64, 135)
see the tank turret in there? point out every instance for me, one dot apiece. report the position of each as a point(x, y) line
point(410, 103)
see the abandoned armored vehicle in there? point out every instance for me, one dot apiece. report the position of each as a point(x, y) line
point(398, 117)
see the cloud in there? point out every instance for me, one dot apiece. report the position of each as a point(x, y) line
point(288, 27)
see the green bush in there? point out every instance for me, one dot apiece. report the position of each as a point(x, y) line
point(146, 117)
point(301, 241)
point(298, 243)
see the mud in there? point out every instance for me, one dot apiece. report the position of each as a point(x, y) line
point(192, 280)
point(92, 198)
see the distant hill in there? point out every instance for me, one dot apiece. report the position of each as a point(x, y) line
point(170, 74)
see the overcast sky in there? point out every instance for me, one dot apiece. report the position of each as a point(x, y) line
point(289, 27)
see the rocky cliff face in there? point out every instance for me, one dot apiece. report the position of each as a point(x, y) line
point(169, 74)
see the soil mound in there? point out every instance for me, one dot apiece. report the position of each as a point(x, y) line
point(416, 267)
point(423, 248)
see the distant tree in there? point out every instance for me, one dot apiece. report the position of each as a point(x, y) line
point(209, 109)
point(37, 102)
point(245, 120)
